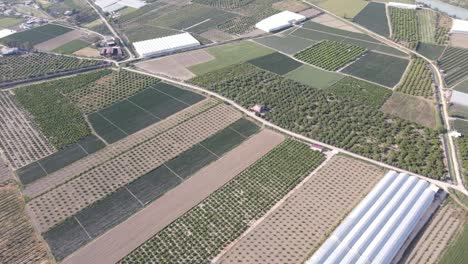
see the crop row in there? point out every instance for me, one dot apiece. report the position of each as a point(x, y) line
point(462, 144)
point(224, 4)
point(21, 67)
point(405, 26)
point(200, 234)
point(443, 25)
point(342, 121)
point(453, 62)
point(330, 55)
point(418, 80)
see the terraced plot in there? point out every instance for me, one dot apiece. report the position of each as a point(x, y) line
point(330, 55)
point(374, 18)
point(453, 61)
point(19, 242)
point(301, 223)
point(21, 142)
point(405, 26)
point(40, 65)
point(102, 180)
point(226, 214)
point(418, 80)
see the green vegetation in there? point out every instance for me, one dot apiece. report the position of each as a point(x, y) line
point(418, 80)
point(36, 65)
point(457, 253)
point(6, 22)
point(430, 51)
point(57, 117)
point(461, 126)
point(31, 37)
point(314, 77)
point(405, 26)
point(453, 62)
point(82, 12)
point(444, 24)
point(224, 4)
point(230, 54)
point(330, 55)
point(374, 18)
point(238, 25)
point(201, 233)
point(72, 46)
point(462, 145)
point(462, 86)
point(288, 44)
point(347, 9)
point(427, 25)
point(276, 63)
point(362, 92)
point(341, 121)
point(379, 68)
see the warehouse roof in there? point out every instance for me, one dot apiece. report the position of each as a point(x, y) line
point(376, 229)
point(402, 5)
point(459, 26)
point(459, 98)
point(163, 45)
point(279, 21)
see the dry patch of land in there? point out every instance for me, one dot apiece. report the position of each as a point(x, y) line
point(330, 21)
point(290, 5)
point(61, 40)
point(175, 66)
point(217, 35)
point(299, 226)
point(121, 240)
point(459, 40)
point(412, 108)
point(87, 52)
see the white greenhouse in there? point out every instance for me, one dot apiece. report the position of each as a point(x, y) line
point(160, 46)
point(402, 5)
point(279, 21)
point(377, 228)
point(459, 26)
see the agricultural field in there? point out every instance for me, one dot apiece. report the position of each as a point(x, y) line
point(462, 146)
point(276, 63)
point(314, 77)
point(405, 28)
point(40, 65)
point(302, 222)
point(72, 46)
point(414, 109)
point(444, 24)
point(458, 40)
point(374, 18)
point(430, 51)
point(288, 44)
point(331, 21)
point(456, 252)
point(330, 55)
point(259, 187)
point(418, 80)
point(20, 141)
point(31, 37)
point(83, 13)
point(8, 22)
point(20, 243)
point(461, 125)
point(462, 86)
point(437, 235)
point(348, 9)
point(453, 61)
point(340, 121)
point(53, 43)
point(379, 68)
point(427, 21)
point(313, 26)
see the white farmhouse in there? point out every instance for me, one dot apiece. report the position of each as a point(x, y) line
point(279, 21)
point(165, 45)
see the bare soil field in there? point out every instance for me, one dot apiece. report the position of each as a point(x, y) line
point(5, 172)
point(411, 108)
point(56, 42)
point(459, 40)
point(299, 226)
point(291, 5)
point(436, 236)
point(59, 177)
point(217, 35)
point(20, 141)
point(330, 21)
point(67, 199)
point(175, 66)
point(121, 240)
point(18, 241)
point(87, 52)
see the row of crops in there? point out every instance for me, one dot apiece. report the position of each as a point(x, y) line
point(454, 62)
point(224, 4)
point(418, 80)
point(405, 26)
point(200, 234)
point(339, 120)
point(462, 144)
point(39, 65)
point(330, 55)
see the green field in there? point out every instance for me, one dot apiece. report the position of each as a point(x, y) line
point(230, 54)
point(374, 18)
point(427, 25)
point(461, 126)
point(430, 51)
point(314, 77)
point(287, 44)
point(347, 9)
point(6, 22)
point(34, 36)
point(72, 46)
point(462, 87)
point(405, 27)
point(457, 251)
point(417, 80)
point(379, 68)
point(276, 63)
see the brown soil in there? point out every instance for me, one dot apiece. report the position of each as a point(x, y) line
point(121, 240)
point(459, 40)
point(217, 35)
point(290, 5)
point(61, 40)
point(330, 21)
point(87, 52)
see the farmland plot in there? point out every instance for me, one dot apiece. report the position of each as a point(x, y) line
point(462, 146)
point(418, 80)
point(21, 142)
point(330, 21)
point(345, 33)
point(348, 9)
point(301, 223)
point(456, 252)
point(462, 86)
point(35, 35)
point(63, 39)
point(276, 63)
point(288, 44)
point(427, 25)
point(314, 77)
point(374, 18)
point(453, 62)
point(430, 51)
point(241, 201)
point(405, 26)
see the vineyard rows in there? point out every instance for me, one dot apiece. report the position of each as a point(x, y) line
point(444, 24)
point(330, 55)
point(418, 80)
point(224, 4)
point(200, 234)
point(13, 68)
point(405, 26)
point(454, 62)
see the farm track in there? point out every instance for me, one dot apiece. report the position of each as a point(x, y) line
point(21, 142)
point(437, 235)
point(303, 221)
point(18, 241)
point(91, 161)
point(64, 201)
point(124, 238)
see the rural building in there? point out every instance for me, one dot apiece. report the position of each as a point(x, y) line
point(279, 21)
point(377, 229)
point(6, 32)
point(455, 134)
point(160, 46)
point(317, 147)
point(403, 6)
point(115, 5)
point(459, 98)
point(459, 26)
point(9, 51)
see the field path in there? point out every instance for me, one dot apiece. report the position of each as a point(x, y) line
point(127, 236)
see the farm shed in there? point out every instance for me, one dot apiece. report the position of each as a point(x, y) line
point(159, 46)
point(459, 26)
point(402, 5)
point(459, 98)
point(378, 227)
point(279, 21)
